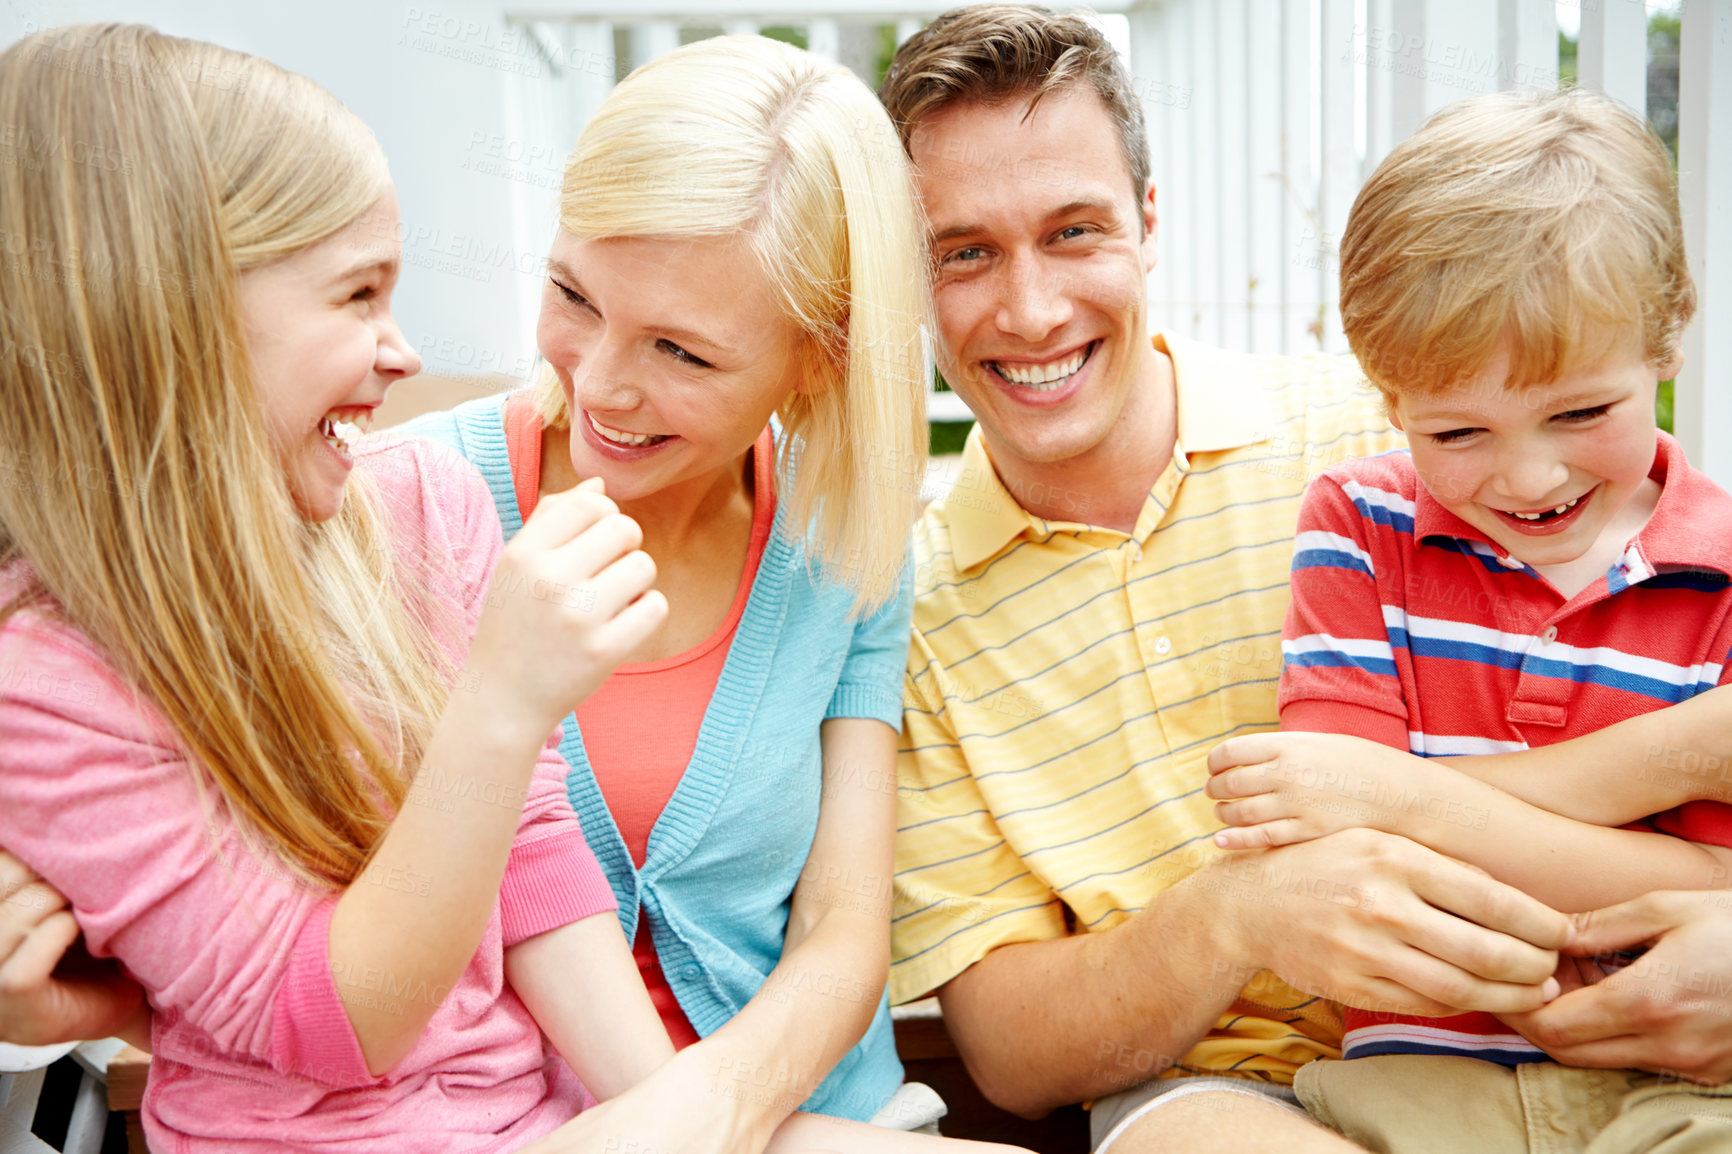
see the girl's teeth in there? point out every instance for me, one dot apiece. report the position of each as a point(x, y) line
point(343, 436)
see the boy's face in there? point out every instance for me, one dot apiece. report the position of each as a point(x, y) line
point(1040, 257)
point(1506, 460)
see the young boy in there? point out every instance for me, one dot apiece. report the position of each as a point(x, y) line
point(1542, 565)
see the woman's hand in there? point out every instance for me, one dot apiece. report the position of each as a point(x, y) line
point(673, 1112)
point(569, 600)
point(48, 995)
point(686, 1107)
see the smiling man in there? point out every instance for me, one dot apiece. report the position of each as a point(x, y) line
point(1100, 602)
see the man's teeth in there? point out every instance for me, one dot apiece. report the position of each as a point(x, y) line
point(1043, 378)
point(620, 437)
point(1543, 513)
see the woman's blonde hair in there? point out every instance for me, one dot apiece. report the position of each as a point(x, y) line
point(1547, 221)
point(745, 136)
point(145, 495)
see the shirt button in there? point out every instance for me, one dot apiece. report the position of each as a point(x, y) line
point(1136, 553)
point(1550, 634)
point(1163, 645)
point(1509, 563)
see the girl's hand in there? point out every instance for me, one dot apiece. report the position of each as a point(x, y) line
point(570, 599)
point(47, 995)
point(1282, 788)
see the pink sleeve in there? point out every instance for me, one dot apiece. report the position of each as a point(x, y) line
point(1338, 663)
point(96, 799)
point(552, 878)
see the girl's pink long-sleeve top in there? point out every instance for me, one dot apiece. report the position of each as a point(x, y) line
point(252, 1049)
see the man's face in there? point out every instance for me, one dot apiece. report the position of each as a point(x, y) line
point(1040, 257)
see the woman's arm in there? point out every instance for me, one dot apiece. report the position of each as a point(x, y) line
point(820, 998)
point(1640, 766)
point(736, 1092)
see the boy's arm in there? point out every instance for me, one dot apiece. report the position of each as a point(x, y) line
point(1640, 766)
point(1291, 786)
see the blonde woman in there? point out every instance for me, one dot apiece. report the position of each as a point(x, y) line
point(739, 241)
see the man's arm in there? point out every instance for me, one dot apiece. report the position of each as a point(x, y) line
point(1669, 1011)
point(1388, 925)
point(1043, 1018)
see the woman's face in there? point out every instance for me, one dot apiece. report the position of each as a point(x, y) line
point(673, 355)
point(324, 349)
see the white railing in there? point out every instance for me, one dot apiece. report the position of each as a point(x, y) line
point(1264, 118)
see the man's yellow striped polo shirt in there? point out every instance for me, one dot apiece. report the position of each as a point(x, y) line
point(1066, 682)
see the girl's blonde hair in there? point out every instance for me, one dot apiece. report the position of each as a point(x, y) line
point(145, 494)
point(741, 135)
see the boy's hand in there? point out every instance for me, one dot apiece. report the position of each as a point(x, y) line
point(1283, 788)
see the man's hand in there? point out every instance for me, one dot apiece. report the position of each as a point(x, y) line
point(1669, 1011)
point(1284, 788)
point(1382, 923)
point(48, 995)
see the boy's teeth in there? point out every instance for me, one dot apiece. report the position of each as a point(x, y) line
point(1043, 378)
point(1557, 512)
point(620, 437)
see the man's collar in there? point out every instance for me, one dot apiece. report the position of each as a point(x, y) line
point(1690, 528)
point(983, 516)
point(1215, 413)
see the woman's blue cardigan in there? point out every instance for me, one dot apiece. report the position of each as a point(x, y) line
point(726, 854)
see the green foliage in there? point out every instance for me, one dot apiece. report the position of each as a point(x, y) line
point(948, 436)
point(1665, 34)
point(786, 33)
point(886, 52)
point(1663, 406)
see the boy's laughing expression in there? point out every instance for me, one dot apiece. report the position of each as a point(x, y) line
point(1550, 473)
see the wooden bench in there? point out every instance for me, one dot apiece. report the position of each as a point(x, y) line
point(928, 1055)
point(924, 1044)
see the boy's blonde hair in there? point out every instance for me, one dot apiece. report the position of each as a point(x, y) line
point(291, 660)
point(746, 136)
point(1544, 222)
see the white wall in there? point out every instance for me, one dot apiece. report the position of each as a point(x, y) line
point(438, 82)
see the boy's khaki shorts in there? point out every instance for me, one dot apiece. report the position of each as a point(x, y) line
point(1420, 1104)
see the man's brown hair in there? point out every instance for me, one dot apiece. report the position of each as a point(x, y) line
point(994, 53)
